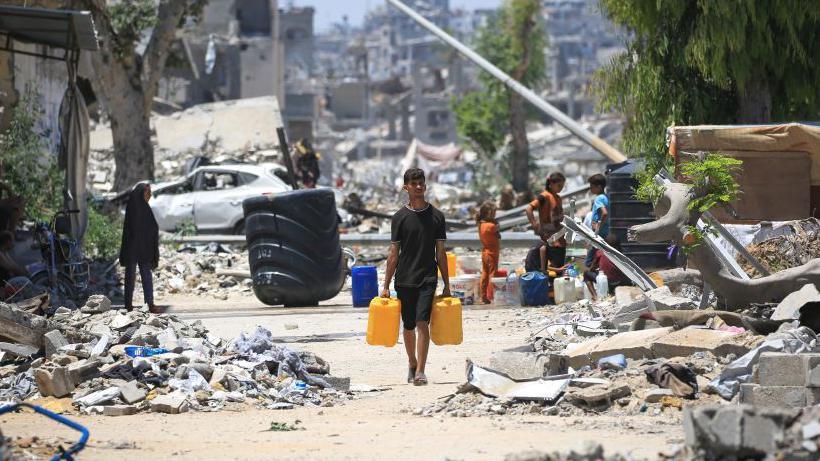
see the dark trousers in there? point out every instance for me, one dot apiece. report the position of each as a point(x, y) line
point(147, 283)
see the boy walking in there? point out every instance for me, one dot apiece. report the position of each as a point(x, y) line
point(418, 233)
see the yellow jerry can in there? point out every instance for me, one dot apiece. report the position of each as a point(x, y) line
point(445, 322)
point(383, 322)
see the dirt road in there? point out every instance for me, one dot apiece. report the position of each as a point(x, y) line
point(375, 425)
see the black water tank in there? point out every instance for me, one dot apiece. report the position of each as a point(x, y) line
point(293, 247)
point(626, 211)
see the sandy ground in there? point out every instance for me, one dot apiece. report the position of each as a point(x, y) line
point(378, 425)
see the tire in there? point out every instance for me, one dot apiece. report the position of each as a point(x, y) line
point(293, 247)
point(65, 287)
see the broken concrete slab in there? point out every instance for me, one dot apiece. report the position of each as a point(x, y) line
point(656, 395)
point(22, 327)
point(83, 370)
point(627, 295)
point(662, 299)
point(519, 365)
point(597, 396)
point(96, 304)
point(633, 344)
point(53, 381)
point(131, 393)
point(170, 403)
point(96, 398)
point(687, 341)
point(53, 341)
point(119, 410)
point(789, 308)
point(20, 350)
point(773, 396)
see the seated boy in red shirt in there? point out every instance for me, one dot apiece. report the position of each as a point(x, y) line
point(601, 263)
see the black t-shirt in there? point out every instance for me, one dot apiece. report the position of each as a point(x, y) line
point(416, 232)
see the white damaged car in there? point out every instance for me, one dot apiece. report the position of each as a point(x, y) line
point(211, 196)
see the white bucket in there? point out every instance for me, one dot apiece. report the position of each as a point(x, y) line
point(464, 288)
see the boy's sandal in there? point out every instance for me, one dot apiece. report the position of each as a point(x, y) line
point(420, 380)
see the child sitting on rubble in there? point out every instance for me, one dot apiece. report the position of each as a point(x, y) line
point(538, 256)
point(491, 242)
point(602, 263)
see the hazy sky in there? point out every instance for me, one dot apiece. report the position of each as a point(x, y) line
point(330, 11)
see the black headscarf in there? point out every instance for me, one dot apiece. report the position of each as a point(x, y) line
point(140, 233)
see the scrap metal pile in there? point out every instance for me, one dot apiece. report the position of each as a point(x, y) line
point(115, 362)
point(788, 245)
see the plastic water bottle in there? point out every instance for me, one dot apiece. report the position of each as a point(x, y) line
point(601, 285)
point(571, 272)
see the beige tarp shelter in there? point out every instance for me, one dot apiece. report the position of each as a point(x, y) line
point(780, 179)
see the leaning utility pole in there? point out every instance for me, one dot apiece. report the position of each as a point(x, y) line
point(594, 141)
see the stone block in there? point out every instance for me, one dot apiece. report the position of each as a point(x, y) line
point(597, 396)
point(626, 295)
point(773, 396)
point(84, 370)
point(655, 395)
point(781, 369)
point(687, 341)
point(735, 431)
point(96, 304)
point(662, 299)
point(119, 410)
point(519, 365)
point(629, 312)
point(169, 403)
point(131, 393)
point(338, 383)
point(54, 381)
point(812, 366)
point(53, 341)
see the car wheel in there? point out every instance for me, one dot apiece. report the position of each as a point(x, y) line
point(239, 228)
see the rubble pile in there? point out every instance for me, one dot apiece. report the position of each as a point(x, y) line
point(791, 245)
point(116, 362)
point(212, 270)
point(591, 451)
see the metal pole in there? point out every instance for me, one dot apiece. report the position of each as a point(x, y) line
point(594, 141)
point(283, 146)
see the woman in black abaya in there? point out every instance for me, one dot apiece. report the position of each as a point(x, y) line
point(140, 245)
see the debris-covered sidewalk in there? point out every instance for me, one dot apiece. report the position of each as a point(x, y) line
point(114, 362)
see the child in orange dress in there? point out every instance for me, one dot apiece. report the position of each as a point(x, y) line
point(491, 243)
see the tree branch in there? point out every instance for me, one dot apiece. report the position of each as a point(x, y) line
point(169, 14)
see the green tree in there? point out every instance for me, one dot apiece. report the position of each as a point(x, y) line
point(26, 167)
point(710, 62)
point(127, 80)
point(513, 40)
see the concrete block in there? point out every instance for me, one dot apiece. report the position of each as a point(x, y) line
point(170, 403)
point(54, 381)
point(338, 383)
point(812, 366)
point(773, 396)
point(96, 304)
point(781, 369)
point(217, 376)
point(631, 305)
point(83, 370)
point(662, 299)
point(655, 395)
point(519, 365)
point(119, 410)
point(579, 354)
point(597, 396)
point(130, 393)
point(735, 431)
point(687, 341)
point(812, 396)
point(53, 341)
point(626, 295)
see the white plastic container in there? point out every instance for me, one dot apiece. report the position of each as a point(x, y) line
point(464, 288)
point(501, 295)
point(514, 289)
point(601, 285)
point(579, 288)
point(564, 290)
